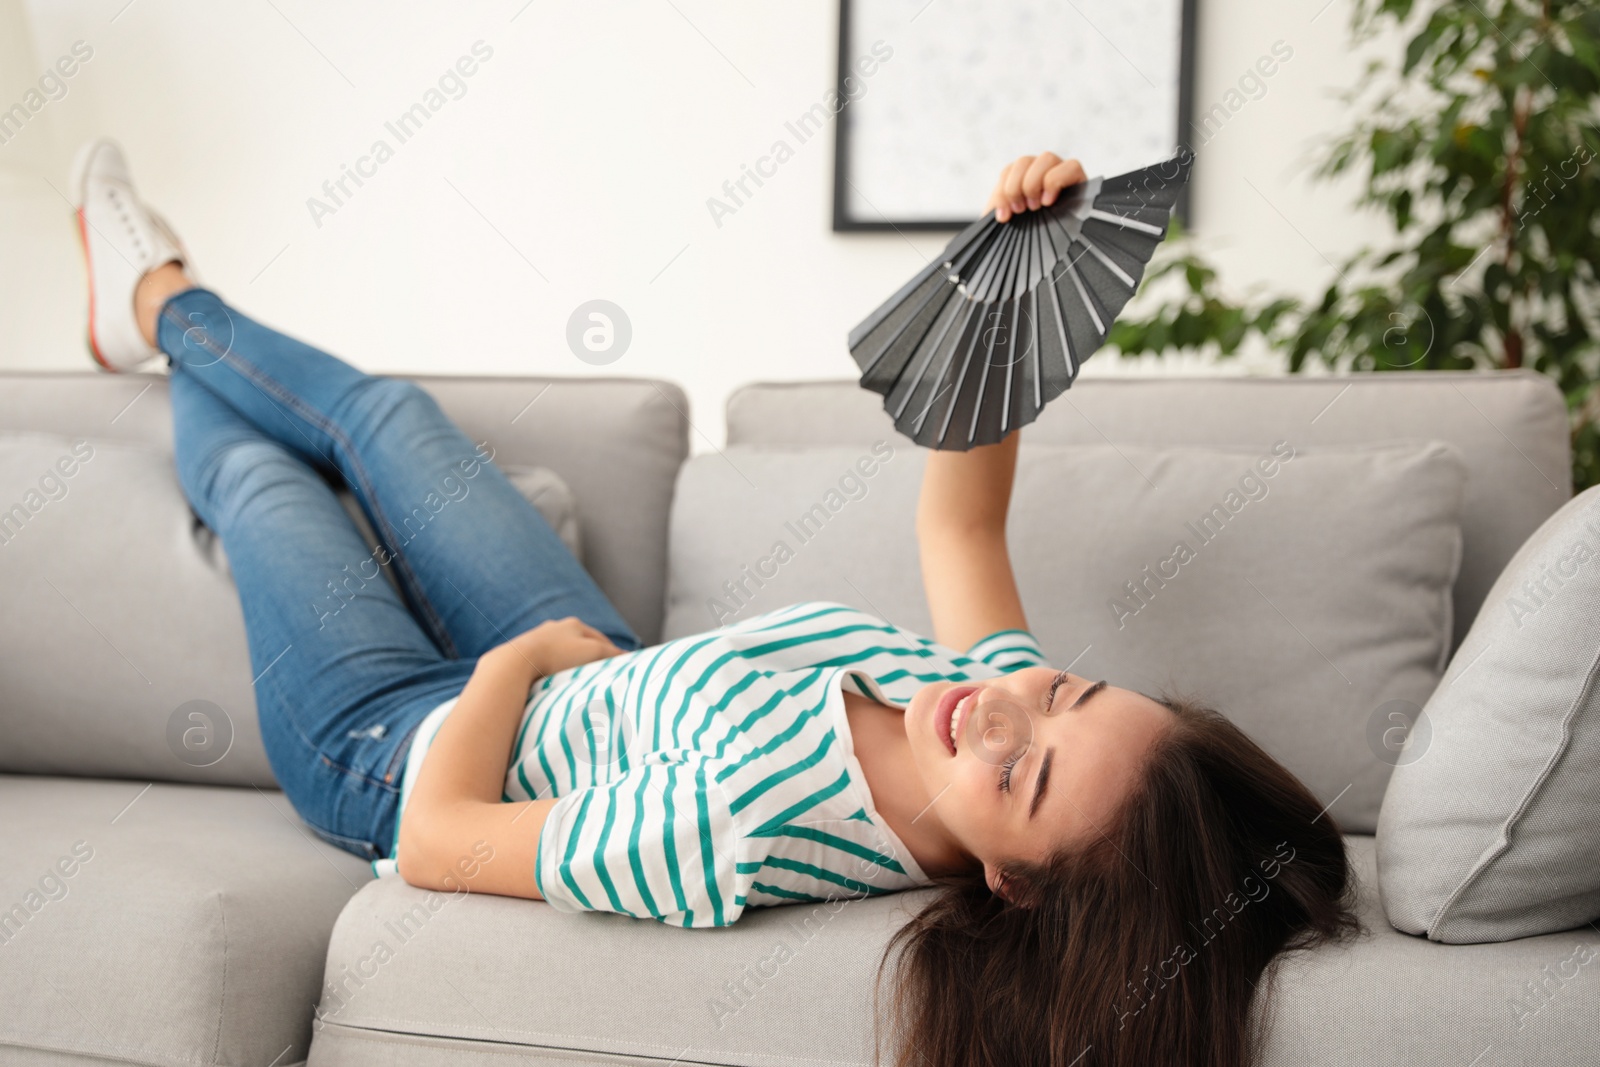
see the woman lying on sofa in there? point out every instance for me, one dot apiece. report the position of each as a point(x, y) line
point(497, 727)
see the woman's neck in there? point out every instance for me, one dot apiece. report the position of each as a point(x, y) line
point(898, 792)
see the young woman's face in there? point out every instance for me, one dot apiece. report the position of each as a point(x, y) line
point(1088, 739)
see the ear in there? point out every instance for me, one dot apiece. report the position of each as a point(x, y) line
point(1007, 890)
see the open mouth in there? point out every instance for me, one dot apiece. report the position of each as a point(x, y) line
point(954, 704)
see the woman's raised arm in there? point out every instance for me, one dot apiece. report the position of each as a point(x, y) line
point(961, 531)
point(961, 515)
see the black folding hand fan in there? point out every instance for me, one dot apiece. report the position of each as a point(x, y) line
point(984, 337)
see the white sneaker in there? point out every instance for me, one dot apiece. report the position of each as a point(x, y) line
point(122, 241)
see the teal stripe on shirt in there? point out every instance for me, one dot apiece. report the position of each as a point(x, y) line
point(572, 847)
point(707, 859)
point(823, 874)
point(599, 857)
point(778, 777)
point(801, 807)
point(843, 844)
point(635, 854)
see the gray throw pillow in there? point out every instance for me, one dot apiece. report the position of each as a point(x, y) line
point(124, 617)
point(1312, 588)
point(545, 490)
point(540, 486)
point(1490, 829)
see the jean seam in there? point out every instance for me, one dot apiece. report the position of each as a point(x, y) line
point(316, 751)
point(333, 837)
point(265, 381)
point(402, 750)
point(333, 430)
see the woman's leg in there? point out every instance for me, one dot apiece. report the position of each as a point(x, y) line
point(477, 562)
point(338, 690)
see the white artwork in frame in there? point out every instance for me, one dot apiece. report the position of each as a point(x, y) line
point(959, 88)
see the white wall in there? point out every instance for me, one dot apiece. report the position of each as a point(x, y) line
point(584, 151)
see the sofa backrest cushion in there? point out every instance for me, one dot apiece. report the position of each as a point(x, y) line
point(143, 616)
point(1297, 589)
point(1510, 426)
point(129, 660)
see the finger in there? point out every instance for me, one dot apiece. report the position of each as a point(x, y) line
point(589, 631)
point(1002, 202)
point(994, 195)
point(1063, 174)
point(583, 631)
point(1013, 183)
point(1033, 178)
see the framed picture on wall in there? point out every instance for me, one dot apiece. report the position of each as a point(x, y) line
point(935, 96)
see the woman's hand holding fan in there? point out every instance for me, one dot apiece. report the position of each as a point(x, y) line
point(1032, 182)
point(981, 339)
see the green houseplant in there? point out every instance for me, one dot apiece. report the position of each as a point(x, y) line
point(1479, 146)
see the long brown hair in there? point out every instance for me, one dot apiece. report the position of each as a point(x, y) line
point(1146, 946)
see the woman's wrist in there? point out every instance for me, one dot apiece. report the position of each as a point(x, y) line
point(517, 658)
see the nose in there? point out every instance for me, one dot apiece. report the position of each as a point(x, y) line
point(998, 723)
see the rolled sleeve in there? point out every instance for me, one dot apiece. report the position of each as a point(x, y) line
point(1009, 650)
point(658, 841)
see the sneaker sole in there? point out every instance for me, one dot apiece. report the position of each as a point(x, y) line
point(76, 177)
point(83, 241)
point(79, 170)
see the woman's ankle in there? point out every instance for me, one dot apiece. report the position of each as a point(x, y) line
point(153, 291)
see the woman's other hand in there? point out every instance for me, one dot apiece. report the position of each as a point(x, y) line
point(559, 644)
point(1032, 182)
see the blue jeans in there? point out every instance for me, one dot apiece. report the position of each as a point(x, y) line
point(265, 429)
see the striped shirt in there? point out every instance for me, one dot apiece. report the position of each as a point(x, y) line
point(717, 772)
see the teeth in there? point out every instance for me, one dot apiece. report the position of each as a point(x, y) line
point(957, 715)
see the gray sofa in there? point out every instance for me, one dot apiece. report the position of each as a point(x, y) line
point(173, 911)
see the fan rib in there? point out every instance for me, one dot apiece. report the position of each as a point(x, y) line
point(1084, 239)
point(899, 332)
point(933, 350)
point(966, 364)
point(988, 358)
point(945, 369)
point(972, 306)
point(1125, 222)
point(1029, 288)
point(1062, 333)
point(978, 229)
point(1122, 275)
point(1005, 398)
point(1083, 295)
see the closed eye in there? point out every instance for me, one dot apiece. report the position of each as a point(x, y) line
point(1050, 694)
point(1005, 772)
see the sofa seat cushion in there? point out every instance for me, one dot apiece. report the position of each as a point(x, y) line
point(169, 925)
point(418, 979)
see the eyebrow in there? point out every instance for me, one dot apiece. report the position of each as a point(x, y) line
point(1083, 697)
point(1043, 781)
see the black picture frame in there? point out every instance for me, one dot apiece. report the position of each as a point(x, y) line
point(843, 222)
